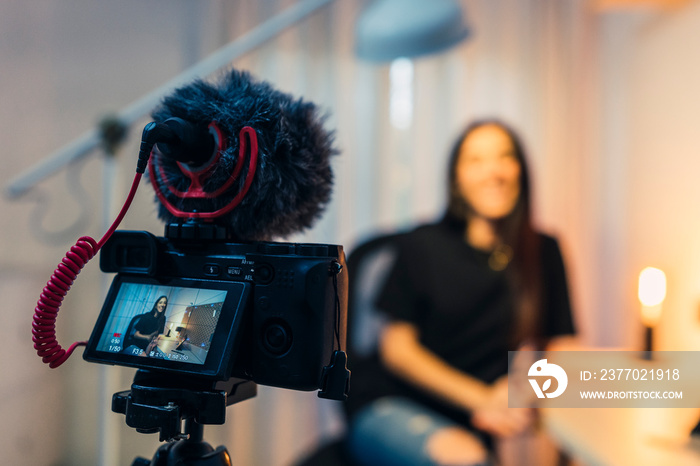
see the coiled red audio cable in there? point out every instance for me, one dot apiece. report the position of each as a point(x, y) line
point(46, 311)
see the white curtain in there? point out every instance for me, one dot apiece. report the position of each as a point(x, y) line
point(531, 63)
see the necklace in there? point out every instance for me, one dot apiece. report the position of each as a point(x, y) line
point(500, 257)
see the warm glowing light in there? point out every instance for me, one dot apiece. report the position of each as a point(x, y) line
point(652, 286)
point(652, 292)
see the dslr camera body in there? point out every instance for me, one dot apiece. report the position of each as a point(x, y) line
point(273, 313)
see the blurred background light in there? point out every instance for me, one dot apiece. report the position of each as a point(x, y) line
point(389, 29)
point(652, 286)
point(401, 93)
point(652, 292)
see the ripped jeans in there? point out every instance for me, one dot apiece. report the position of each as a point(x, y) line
point(394, 431)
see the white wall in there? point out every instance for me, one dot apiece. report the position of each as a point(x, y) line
point(663, 164)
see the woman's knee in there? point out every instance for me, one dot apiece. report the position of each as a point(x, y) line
point(394, 431)
point(454, 446)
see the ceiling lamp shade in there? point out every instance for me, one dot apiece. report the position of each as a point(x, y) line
point(389, 29)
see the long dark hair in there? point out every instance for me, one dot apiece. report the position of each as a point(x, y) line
point(154, 309)
point(515, 230)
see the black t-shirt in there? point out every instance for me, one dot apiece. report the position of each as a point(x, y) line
point(463, 309)
point(147, 324)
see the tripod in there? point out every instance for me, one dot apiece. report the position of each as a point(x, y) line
point(159, 402)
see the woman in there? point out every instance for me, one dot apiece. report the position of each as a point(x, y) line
point(462, 293)
point(143, 328)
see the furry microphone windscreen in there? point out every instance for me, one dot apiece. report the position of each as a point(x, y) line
point(292, 181)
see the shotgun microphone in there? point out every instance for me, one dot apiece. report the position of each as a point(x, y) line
point(243, 155)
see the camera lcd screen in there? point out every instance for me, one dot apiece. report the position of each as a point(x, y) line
point(181, 324)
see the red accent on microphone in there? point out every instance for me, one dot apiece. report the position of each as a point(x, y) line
point(195, 191)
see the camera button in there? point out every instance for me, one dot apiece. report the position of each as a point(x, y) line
point(263, 274)
point(277, 337)
point(264, 303)
point(211, 270)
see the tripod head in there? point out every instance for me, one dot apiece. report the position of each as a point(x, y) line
point(159, 402)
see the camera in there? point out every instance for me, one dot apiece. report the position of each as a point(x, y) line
point(194, 304)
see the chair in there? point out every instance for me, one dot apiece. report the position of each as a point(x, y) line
point(368, 265)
